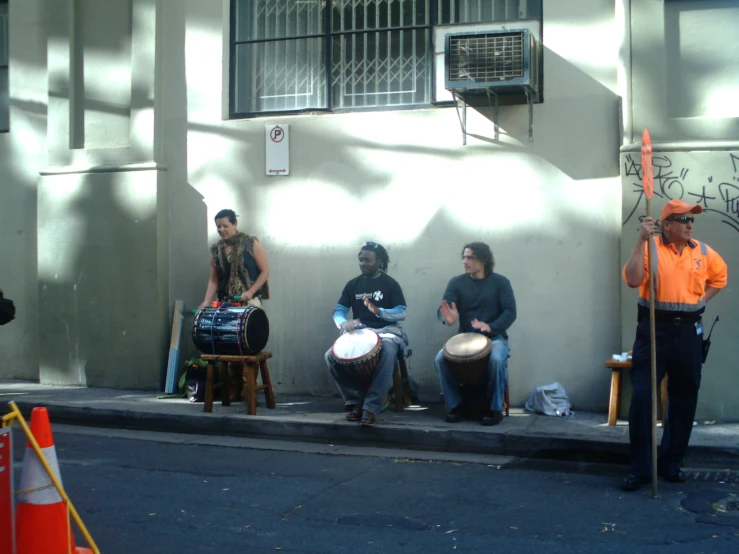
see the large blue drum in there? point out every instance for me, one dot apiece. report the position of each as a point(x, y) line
point(235, 330)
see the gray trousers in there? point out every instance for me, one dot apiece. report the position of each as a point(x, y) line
point(351, 386)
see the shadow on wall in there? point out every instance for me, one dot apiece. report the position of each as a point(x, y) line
point(568, 125)
point(190, 262)
point(559, 336)
point(100, 312)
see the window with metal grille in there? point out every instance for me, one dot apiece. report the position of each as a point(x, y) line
point(324, 55)
point(482, 11)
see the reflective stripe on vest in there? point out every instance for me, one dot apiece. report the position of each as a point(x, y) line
point(671, 306)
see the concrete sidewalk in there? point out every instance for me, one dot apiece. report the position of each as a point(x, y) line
point(584, 437)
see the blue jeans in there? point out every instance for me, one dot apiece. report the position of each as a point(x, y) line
point(497, 377)
point(350, 385)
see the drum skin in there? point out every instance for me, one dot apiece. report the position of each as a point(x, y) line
point(467, 356)
point(359, 350)
point(232, 330)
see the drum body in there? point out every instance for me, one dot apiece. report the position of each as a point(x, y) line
point(359, 350)
point(234, 330)
point(467, 356)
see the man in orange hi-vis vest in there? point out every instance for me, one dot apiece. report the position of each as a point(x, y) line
point(688, 274)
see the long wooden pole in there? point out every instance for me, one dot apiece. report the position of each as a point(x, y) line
point(653, 352)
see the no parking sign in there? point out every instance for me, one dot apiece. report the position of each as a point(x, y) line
point(277, 150)
point(7, 528)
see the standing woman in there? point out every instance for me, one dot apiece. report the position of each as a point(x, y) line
point(238, 265)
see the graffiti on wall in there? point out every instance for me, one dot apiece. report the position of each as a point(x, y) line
point(718, 193)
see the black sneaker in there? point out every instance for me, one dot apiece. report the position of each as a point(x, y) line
point(491, 418)
point(674, 476)
point(635, 482)
point(454, 415)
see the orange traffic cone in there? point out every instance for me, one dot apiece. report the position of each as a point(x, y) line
point(42, 520)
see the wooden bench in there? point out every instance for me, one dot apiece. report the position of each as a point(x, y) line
point(252, 365)
point(614, 404)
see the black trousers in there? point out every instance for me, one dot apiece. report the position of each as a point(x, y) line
point(678, 355)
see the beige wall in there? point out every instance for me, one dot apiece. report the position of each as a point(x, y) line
point(133, 167)
point(22, 152)
point(682, 82)
point(103, 232)
point(708, 178)
point(549, 208)
point(683, 70)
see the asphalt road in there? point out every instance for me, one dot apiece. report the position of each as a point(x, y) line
point(149, 493)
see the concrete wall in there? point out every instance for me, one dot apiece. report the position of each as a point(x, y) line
point(22, 152)
point(549, 208)
point(683, 70)
point(682, 82)
point(711, 179)
point(134, 166)
point(103, 233)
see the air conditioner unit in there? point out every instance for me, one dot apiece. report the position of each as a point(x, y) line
point(503, 62)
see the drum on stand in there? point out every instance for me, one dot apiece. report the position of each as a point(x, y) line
point(359, 350)
point(229, 329)
point(467, 356)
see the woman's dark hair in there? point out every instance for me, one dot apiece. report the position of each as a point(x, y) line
point(380, 253)
point(230, 214)
point(483, 253)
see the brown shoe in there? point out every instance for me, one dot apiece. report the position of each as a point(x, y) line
point(355, 414)
point(368, 418)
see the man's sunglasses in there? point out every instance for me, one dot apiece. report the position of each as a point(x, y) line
point(682, 219)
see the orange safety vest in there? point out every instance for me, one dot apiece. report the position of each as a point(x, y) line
point(681, 278)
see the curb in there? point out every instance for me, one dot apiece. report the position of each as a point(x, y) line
point(388, 435)
point(512, 443)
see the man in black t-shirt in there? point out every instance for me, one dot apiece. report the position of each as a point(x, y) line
point(482, 302)
point(377, 302)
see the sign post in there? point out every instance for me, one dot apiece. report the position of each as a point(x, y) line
point(7, 526)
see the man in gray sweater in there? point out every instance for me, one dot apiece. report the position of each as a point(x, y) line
point(482, 302)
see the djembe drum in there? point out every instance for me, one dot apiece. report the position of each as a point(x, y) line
point(229, 329)
point(467, 356)
point(359, 350)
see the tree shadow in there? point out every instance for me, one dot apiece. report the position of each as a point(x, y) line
point(567, 125)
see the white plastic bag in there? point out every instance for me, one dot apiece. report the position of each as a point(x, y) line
point(549, 400)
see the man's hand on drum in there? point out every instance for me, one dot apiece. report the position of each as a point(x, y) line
point(371, 307)
point(481, 326)
point(349, 325)
point(449, 312)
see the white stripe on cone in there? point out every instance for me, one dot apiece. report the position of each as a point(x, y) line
point(34, 476)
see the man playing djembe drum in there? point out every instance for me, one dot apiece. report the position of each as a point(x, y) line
point(377, 303)
point(482, 302)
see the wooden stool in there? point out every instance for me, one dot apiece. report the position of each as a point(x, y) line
point(251, 366)
point(614, 404)
point(401, 384)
